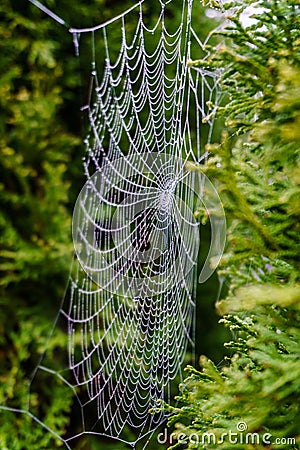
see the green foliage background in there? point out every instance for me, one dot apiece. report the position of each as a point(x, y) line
point(258, 173)
point(257, 167)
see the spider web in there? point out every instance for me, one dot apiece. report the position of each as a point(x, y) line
point(129, 309)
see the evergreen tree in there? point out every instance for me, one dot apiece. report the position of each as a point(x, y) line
point(35, 254)
point(256, 393)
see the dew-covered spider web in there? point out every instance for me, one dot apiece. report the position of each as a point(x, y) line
point(129, 309)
